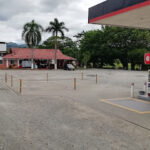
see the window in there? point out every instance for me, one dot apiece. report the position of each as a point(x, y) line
point(1, 62)
point(12, 62)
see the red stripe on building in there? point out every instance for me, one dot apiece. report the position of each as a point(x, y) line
point(121, 11)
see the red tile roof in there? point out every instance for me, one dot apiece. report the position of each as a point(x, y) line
point(25, 53)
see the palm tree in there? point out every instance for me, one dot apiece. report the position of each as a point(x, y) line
point(56, 27)
point(32, 36)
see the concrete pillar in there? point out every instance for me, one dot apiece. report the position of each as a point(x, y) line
point(55, 66)
point(18, 64)
point(7, 63)
point(32, 64)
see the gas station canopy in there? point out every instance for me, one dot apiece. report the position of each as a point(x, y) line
point(127, 13)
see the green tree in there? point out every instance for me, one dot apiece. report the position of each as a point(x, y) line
point(110, 43)
point(68, 47)
point(79, 37)
point(65, 44)
point(136, 57)
point(85, 59)
point(56, 27)
point(94, 42)
point(49, 43)
point(124, 40)
point(32, 36)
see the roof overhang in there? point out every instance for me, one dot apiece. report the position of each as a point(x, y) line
point(39, 54)
point(127, 13)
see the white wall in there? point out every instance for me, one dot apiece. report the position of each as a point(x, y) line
point(2, 47)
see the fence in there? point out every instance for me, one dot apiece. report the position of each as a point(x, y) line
point(18, 84)
point(72, 82)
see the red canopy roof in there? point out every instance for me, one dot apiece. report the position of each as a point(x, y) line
point(25, 53)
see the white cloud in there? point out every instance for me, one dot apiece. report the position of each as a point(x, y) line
point(15, 13)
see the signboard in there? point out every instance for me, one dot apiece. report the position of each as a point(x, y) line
point(147, 58)
point(53, 61)
point(2, 47)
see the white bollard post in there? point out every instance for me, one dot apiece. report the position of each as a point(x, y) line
point(132, 90)
point(145, 87)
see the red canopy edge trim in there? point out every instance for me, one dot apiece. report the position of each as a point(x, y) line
point(121, 11)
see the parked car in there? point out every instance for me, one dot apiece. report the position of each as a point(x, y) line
point(69, 67)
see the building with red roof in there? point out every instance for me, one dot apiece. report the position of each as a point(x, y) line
point(43, 58)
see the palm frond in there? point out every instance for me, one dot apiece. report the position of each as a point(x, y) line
point(56, 27)
point(64, 28)
point(32, 33)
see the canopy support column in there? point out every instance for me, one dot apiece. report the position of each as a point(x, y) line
point(7, 63)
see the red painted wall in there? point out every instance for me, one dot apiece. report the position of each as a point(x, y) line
point(3, 66)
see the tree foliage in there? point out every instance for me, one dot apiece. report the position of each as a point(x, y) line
point(32, 36)
point(55, 27)
point(32, 33)
point(65, 44)
point(105, 47)
point(125, 40)
point(110, 43)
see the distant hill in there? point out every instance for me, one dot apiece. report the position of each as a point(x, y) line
point(15, 45)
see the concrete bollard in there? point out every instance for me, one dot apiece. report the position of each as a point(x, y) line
point(82, 76)
point(11, 81)
point(145, 87)
point(96, 79)
point(5, 77)
point(20, 88)
point(75, 83)
point(47, 77)
point(132, 90)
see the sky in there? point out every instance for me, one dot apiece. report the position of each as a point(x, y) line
point(15, 13)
